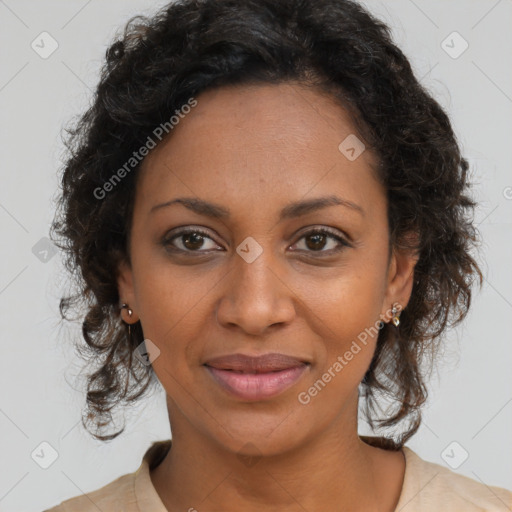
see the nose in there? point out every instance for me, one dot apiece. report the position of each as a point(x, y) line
point(256, 296)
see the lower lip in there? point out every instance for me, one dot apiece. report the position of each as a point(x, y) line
point(257, 386)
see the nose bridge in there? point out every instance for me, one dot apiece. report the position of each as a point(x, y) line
point(256, 267)
point(255, 297)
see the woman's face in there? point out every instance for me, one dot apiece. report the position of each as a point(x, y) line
point(252, 279)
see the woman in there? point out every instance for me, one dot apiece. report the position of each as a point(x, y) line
point(269, 216)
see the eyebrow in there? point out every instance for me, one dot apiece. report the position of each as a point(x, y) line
point(292, 210)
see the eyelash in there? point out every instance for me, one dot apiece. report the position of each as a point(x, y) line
point(167, 242)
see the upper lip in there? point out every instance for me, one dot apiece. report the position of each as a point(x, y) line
point(265, 363)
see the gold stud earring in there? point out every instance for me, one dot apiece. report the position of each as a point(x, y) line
point(395, 311)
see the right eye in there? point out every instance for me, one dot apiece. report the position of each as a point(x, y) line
point(189, 240)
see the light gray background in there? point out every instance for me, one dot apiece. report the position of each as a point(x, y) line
point(471, 394)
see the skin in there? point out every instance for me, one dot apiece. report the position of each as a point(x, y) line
point(254, 150)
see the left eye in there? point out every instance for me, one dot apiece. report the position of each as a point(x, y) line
point(317, 239)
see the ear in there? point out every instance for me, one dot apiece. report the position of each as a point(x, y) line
point(127, 291)
point(400, 277)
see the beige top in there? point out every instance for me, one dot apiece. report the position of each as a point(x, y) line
point(427, 487)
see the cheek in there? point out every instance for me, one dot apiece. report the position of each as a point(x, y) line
point(167, 294)
point(177, 316)
point(347, 321)
point(349, 340)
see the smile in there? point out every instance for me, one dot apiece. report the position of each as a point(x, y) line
point(257, 386)
point(256, 378)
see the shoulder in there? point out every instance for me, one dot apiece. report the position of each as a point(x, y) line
point(132, 492)
point(430, 487)
point(116, 496)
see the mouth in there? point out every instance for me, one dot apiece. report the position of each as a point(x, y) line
point(256, 378)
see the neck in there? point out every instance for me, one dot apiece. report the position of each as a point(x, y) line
point(335, 470)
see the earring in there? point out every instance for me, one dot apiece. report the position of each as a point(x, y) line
point(130, 313)
point(395, 311)
point(125, 306)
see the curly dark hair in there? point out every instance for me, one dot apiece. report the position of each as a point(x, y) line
point(157, 64)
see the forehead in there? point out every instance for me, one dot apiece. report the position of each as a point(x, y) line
point(260, 139)
point(267, 114)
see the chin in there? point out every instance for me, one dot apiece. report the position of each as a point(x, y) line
point(270, 435)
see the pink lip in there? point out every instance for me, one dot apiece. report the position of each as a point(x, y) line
point(256, 378)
